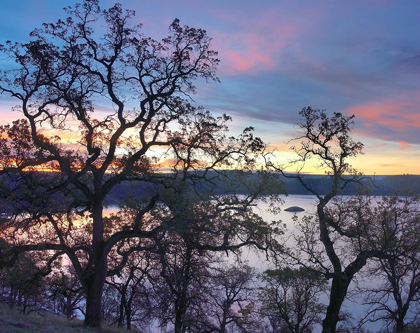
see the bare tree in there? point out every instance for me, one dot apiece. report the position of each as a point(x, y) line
point(134, 290)
point(181, 289)
point(127, 99)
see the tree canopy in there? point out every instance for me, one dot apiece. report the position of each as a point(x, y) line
point(102, 104)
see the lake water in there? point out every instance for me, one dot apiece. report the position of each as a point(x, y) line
point(307, 202)
point(259, 261)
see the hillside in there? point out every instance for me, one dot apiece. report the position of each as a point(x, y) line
point(12, 321)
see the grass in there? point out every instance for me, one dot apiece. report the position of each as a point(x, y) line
point(13, 321)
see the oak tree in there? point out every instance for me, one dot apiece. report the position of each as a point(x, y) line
point(101, 105)
point(394, 298)
point(337, 240)
point(290, 299)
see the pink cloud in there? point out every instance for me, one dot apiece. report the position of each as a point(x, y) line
point(250, 60)
point(257, 45)
point(404, 145)
point(398, 113)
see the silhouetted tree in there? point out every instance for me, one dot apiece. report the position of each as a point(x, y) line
point(65, 291)
point(133, 291)
point(126, 98)
point(181, 289)
point(289, 299)
point(343, 230)
point(23, 283)
point(232, 299)
point(397, 278)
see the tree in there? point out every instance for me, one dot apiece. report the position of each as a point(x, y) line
point(65, 291)
point(340, 221)
point(127, 97)
point(133, 288)
point(232, 296)
point(289, 299)
point(23, 284)
point(397, 287)
point(181, 288)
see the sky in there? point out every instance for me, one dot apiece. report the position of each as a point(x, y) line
point(278, 56)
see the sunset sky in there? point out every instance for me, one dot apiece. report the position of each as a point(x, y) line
point(355, 57)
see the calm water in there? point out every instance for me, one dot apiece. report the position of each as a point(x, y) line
point(307, 202)
point(259, 261)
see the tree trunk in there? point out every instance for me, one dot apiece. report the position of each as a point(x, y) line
point(96, 280)
point(337, 295)
point(20, 295)
point(224, 318)
point(399, 327)
point(127, 304)
point(122, 306)
point(128, 316)
point(178, 320)
point(94, 291)
point(25, 304)
point(69, 306)
point(399, 319)
point(12, 297)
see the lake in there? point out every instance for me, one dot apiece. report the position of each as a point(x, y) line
point(258, 261)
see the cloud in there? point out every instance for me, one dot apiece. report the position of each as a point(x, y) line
point(252, 60)
point(390, 165)
point(380, 145)
point(393, 118)
point(255, 42)
point(404, 145)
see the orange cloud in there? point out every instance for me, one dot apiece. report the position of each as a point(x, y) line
point(385, 165)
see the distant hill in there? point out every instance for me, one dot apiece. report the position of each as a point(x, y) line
point(378, 185)
point(224, 182)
